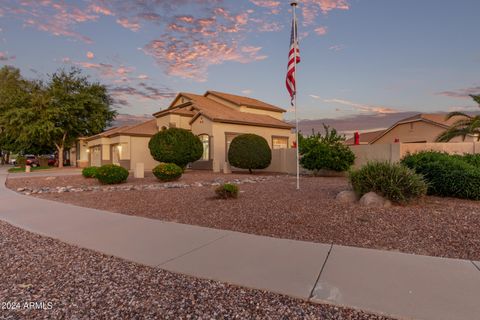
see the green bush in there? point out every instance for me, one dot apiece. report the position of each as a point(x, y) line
point(111, 174)
point(325, 152)
point(177, 146)
point(473, 159)
point(249, 151)
point(447, 175)
point(227, 190)
point(395, 182)
point(90, 172)
point(167, 172)
point(418, 160)
point(21, 161)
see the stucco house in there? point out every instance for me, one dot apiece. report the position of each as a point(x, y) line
point(215, 117)
point(421, 128)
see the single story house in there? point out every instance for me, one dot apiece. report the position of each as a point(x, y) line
point(421, 128)
point(215, 117)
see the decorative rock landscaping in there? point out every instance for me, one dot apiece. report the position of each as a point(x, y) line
point(139, 187)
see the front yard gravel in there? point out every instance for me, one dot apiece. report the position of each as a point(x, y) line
point(443, 227)
point(73, 283)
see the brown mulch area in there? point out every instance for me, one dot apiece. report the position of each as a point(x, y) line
point(441, 227)
point(74, 283)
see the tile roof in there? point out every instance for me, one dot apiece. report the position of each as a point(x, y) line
point(183, 110)
point(365, 137)
point(433, 117)
point(106, 133)
point(245, 101)
point(147, 128)
point(218, 112)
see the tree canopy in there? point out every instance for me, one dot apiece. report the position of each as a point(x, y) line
point(34, 114)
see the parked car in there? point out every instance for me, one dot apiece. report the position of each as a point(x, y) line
point(31, 160)
point(51, 160)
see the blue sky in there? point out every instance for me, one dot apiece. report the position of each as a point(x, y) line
point(358, 56)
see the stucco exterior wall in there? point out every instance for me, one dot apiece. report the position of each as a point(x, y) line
point(394, 152)
point(220, 130)
point(178, 121)
point(139, 152)
point(418, 131)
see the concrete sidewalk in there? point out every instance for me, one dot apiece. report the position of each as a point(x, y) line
point(396, 284)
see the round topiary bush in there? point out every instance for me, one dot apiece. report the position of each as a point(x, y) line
point(249, 151)
point(111, 174)
point(90, 172)
point(177, 146)
point(393, 181)
point(167, 172)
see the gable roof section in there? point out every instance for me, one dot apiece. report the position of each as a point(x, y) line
point(245, 101)
point(144, 129)
point(432, 118)
point(106, 133)
point(217, 112)
point(185, 109)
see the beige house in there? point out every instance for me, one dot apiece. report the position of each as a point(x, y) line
point(215, 117)
point(421, 128)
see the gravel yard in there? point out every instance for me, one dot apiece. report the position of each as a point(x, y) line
point(74, 283)
point(436, 226)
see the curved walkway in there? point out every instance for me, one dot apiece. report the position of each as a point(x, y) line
point(397, 284)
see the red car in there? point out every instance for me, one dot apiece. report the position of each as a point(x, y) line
point(31, 160)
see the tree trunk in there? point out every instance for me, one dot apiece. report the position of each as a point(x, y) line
point(60, 148)
point(60, 156)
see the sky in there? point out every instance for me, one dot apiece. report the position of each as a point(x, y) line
point(358, 57)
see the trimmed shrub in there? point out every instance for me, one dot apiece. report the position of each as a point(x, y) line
point(447, 175)
point(227, 190)
point(21, 161)
point(111, 174)
point(473, 159)
point(325, 151)
point(177, 146)
point(418, 160)
point(249, 151)
point(395, 182)
point(90, 172)
point(167, 172)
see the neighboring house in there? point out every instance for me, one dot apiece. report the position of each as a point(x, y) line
point(215, 117)
point(421, 128)
point(365, 137)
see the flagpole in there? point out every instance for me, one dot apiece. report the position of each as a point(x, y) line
point(294, 6)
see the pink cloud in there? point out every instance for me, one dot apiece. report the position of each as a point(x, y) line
point(312, 8)
point(90, 55)
point(129, 24)
point(96, 8)
point(191, 60)
point(321, 31)
point(363, 107)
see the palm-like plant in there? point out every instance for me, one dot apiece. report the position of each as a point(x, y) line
point(466, 125)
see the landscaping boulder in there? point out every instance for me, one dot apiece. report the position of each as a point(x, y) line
point(372, 199)
point(347, 196)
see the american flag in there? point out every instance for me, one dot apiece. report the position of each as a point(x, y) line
point(291, 87)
